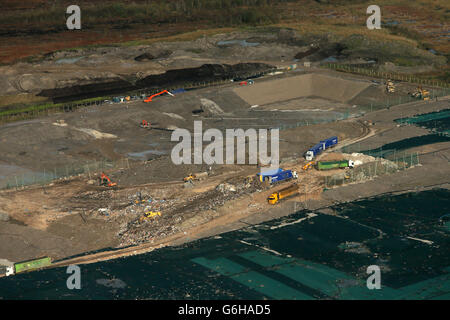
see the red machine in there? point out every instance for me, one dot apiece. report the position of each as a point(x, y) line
point(106, 181)
point(145, 124)
point(157, 94)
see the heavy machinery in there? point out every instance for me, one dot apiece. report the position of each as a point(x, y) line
point(390, 87)
point(309, 165)
point(194, 177)
point(275, 197)
point(321, 146)
point(28, 265)
point(157, 94)
point(149, 215)
point(340, 164)
point(420, 93)
point(145, 124)
point(189, 178)
point(104, 180)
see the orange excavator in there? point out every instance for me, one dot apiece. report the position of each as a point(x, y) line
point(106, 181)
point(148, 99)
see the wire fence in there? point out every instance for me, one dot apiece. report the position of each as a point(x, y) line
point(49, 108)
point(373, 72)
point(90, 169)
point(396, 161)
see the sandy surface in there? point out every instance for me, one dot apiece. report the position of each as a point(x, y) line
point(63, 219)
point(306, 85)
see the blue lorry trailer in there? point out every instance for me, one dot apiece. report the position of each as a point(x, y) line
point(276, 175)
point(318, 148)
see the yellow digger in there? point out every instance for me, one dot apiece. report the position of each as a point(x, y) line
point(149, 215)
point(189, 178)
point(309, 165)
point(422, 94)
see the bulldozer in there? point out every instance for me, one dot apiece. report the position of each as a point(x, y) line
point(149, 215)
point(104, 180)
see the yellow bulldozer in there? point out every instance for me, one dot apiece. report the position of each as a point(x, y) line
point(149, 215)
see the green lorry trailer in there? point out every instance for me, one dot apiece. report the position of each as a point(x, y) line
point(340, 164)
point(28, 266)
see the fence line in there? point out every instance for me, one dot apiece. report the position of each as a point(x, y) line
point(137, 95)
point(379, 167)
point(90, 169)
point(385, 75)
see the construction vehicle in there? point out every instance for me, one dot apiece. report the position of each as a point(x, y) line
point(390, 87)
point(149, 215)
point(277, 175)
point(189, 178)
point(422, 94)
point(28, 265)
point(145, 124)
point(340, 164)
point(321, 146)
point(275, 197)
point(104, 180)
point(309, 165)
point(148, 99)
point(197, 176)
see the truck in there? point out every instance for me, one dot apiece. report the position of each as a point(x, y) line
point(275, 197)
point(277, 175)
point(28, 265)
point(321, 146)
point(340, 164)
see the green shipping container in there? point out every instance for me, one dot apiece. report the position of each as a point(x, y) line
point(32, 264)
point(328, 165)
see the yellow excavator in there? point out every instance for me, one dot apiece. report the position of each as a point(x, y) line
point(422, 94)
point(149, 215)
point(189, 178)
point(309, 165)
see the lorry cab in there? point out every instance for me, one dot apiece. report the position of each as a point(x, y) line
point(351, 163)
point(9, 271)
point(309, 155)
point(273, 198)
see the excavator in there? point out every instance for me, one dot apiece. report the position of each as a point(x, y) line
point(148, 99)
point(422, 94)
point(104, 180)
point(145, 124)
point(309, 165)
point(191, 177)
